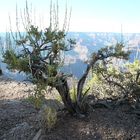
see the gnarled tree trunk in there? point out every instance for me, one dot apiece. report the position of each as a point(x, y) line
point(81, 82)
point(63, 90)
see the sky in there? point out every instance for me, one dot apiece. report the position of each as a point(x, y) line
point(86, 16)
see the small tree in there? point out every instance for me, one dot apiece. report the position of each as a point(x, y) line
point(42, 57)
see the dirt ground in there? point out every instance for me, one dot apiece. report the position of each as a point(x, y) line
point(19, 120)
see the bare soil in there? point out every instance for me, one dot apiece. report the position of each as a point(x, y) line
point(19, 120)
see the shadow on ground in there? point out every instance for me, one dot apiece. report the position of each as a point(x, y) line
point(19, 120)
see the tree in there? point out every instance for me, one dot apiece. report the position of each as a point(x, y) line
point(42, 57)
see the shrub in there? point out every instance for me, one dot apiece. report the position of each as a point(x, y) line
point(49, 118)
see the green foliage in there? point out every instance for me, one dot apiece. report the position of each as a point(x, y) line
point(133, 69)
point(73, 94)
point(36, 101)
point(105, 72)
point(49, 118)
point(133, 74)
point(10, 58)
point(16, 62)
point(115, 81)
point(39, 96)
point(45, 66)
point(42, 66)
point(116, 51)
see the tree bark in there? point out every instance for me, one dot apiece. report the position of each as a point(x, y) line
point(63, 90)
point(0, 71)
point(81, 84)
point(83, 79)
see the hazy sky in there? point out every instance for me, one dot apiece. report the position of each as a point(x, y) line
point(87, 15)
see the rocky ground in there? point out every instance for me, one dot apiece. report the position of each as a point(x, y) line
point(19, 120)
